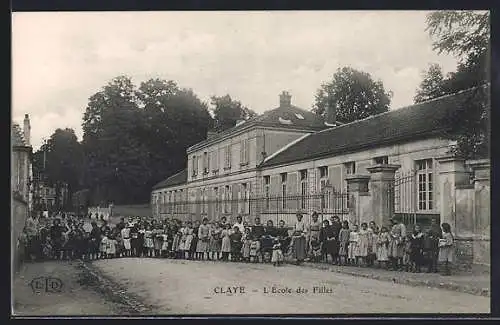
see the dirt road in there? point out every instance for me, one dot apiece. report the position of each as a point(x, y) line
point(191, 287)
point(72, 297)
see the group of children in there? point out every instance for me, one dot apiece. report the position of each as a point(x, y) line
point(388, 247)
point(395, 248)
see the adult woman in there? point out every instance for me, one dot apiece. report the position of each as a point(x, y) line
point(299, 240)
point(203, 240)
point(266, 242)
point(284, 238)
point(313, 231)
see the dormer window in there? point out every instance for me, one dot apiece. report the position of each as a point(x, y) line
point(299, 116)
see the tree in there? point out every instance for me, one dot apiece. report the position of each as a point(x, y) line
point(354, 94)
point(465, 34)
point(118, 160)
point(228, 111)
point(63, 156)
point(166, 106)
point(431, 85)
point(133, 139)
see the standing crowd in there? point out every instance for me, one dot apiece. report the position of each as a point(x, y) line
point(331, 241)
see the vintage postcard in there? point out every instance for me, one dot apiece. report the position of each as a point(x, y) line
point(250, 163)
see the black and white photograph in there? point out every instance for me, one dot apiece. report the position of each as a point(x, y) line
point(183, 163)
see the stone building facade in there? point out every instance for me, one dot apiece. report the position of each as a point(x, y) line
point(289, 160)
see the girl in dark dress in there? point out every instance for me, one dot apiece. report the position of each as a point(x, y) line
point(416, 252)
point(334, 239)
point(325, 238)
point(194, 242)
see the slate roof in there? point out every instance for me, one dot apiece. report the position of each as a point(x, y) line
point(433, 117)
point(271, 118)
point(17, 136)
point(176, 179)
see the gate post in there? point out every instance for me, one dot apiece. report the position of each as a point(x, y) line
point(452, 172)
point(359, 198)
point(381, 183)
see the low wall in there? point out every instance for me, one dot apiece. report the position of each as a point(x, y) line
point(19, 214)
point(142, 210)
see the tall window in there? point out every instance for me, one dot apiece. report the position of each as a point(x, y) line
point(206, 163)
point(243, 198)
point(227, 199)
point(350, 168)
point(382, 160)
point(267, 185)
point(216, 199)
point(227, 157)
point(202, 200)
point(244, 152)
point(215, 161)
point(194, 166)
point(283, 190)
point(303, 188)
point(425, 188)
point(323, 187)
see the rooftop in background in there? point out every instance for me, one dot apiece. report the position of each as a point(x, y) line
point(432, 117)
point(176, 179)
point(17, 136)
point(285, 116)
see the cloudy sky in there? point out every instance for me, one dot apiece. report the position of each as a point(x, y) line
point(61, 59)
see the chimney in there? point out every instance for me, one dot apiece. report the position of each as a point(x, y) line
point(285, 99)
point(27, 130)
point(211, 134)
point(331, 116)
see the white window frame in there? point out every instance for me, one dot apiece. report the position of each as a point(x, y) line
point(384, 159)
point(206, 163)
point(425, 185)
point(244, 152)
point(303, 188)
point(323, 182)
point(267, 190)
point(215, 161)
point(227, 157)
point(216, 199)
point(350, 167)
point(284, 179)
point(227, 199)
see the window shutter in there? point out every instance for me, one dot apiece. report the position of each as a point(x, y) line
point(275, 190)
point(292, 191)
point(335, 178)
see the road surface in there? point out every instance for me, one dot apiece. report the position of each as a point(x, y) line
point(195, 287)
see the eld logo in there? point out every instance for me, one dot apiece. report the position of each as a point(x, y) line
point(46, 284)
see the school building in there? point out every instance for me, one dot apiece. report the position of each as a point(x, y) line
point(290, 160)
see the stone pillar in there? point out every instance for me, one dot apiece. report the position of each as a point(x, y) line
point(359, 198)
point(481, 211)
point(382, 192)
point(452, 172)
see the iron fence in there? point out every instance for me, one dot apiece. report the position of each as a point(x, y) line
point(273, 208)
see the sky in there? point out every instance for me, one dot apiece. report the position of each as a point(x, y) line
point(60, 59)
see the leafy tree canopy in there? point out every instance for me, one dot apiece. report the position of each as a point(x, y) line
point(354, 94)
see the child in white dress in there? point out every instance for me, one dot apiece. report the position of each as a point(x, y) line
point(353, 245)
